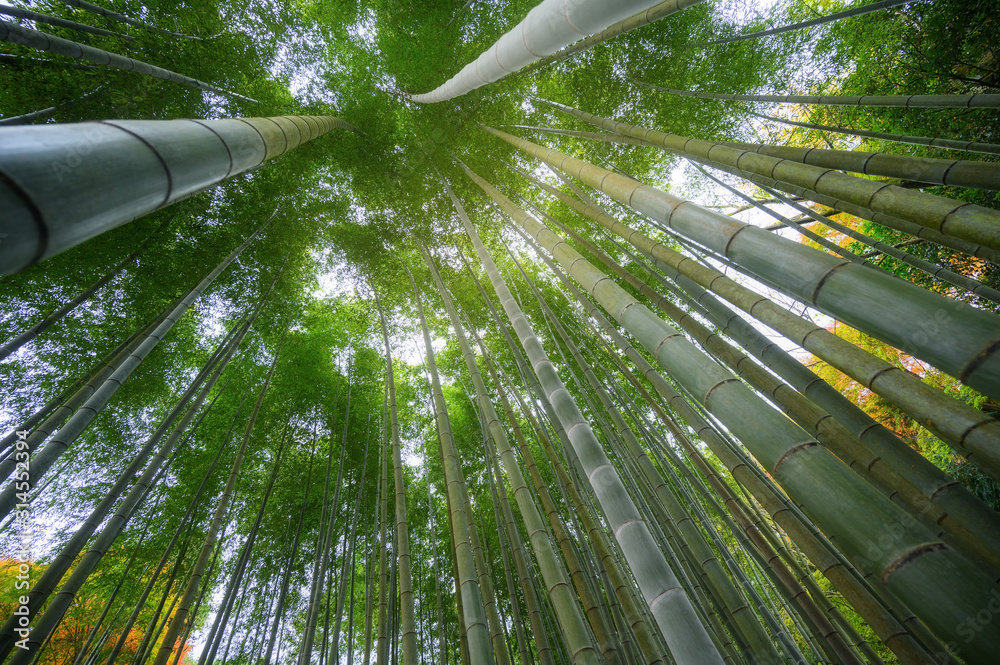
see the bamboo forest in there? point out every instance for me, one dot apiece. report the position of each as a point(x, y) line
point(500, 332)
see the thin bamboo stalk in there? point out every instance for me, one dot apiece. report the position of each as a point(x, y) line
point(121, 18)
point(978, 100)
point(37, 17)
point(949, 144)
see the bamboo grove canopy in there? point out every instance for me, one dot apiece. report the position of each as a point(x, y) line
point(501, 332)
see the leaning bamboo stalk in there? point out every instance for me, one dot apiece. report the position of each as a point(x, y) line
point(885, 626)
point(473, 609)
point(853, 293)
point(548, 27)
point(50, 172)
point(553, 572)
point(940, 272)
point(43, 325)
point(829, 18)
point(949, 144)
point(890, 221)
point(19, 12)
point(813, 419)
point(71, 430)
point(185, 408)
point(960, 219)
point(703, 559)
point(960, 506)
point(686, 636)
point(639, 20)
point(121, 18)
point(183, 616)
point(978, 100)
point(909, 567)
point(42, 41)
point(928, 170)
point(402, 525)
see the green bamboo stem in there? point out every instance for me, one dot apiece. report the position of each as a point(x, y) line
point(949, 144)
point(813, 419)
point(978, 100)
point(929, 170)
point(381, 651)
point(639, 20)
point(890, 221)
point(553, 572)
point(889, 452)
point(882, 622)
point(623, 590)
point(476, 626)
point(701, 555)
point(686, 636)
point(183, 616)
point(909, 566)
point(972, 224)
point(37, 17)
point(50, 172)
point(402, 525)
point(100, 11)
point(968, 430)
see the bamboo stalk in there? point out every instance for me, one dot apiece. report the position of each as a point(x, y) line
point(978, 100)
point(121, 18)
point(52, 171)
point(37, 17)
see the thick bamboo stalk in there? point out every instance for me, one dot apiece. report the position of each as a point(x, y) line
point(818, 422)
point(402, 525)
point(978, 100)
point(473, 609)
point(885, 626)
point(121, 18)
point(68, 433)
point(962, 220)
point(891, 221)
point(701, 555)
point(37, 17)
point(183, 616)
point(857, 295)
point(829, 18)
point(548, 27)
point(644, 18)
point(51, 172)
point(929, 170)
point(553, 572)
point(906, 566)
point(687, 638)
point(949, 144)
point(381, 650)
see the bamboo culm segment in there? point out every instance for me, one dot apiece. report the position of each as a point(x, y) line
point(965, 221)
point(19, 12)
point(964, 339)
point(62, 184)
point(121, 18)
point(674, 612)
point(548, 27)
point(911, 565)
point(979, 100)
